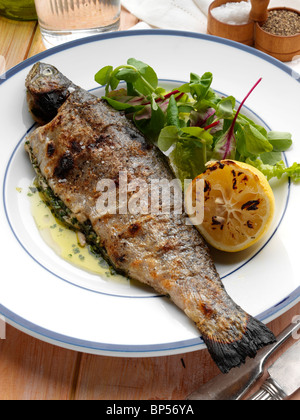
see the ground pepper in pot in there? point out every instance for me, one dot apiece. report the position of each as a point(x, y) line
point(282, 22)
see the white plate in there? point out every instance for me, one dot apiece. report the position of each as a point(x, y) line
point(58, 303)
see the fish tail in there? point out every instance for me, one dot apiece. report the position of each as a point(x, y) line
point(228, 355)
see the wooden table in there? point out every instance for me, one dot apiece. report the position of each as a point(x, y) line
point(33, 370)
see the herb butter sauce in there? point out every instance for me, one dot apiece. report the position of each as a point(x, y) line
point(65, 242)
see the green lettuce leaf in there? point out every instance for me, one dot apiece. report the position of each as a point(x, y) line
point(277, 170)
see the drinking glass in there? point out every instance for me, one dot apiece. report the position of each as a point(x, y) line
point(65, 20)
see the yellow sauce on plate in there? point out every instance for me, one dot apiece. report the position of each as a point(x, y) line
point(65, 242)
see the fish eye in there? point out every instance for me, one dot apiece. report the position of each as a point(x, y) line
point(47, 71)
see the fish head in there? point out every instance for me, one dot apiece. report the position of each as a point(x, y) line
point(44, 78)
point(47, 90)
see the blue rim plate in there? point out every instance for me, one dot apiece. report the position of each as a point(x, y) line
point(58, 303)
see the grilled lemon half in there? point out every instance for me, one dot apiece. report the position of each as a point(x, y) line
point(238, 203)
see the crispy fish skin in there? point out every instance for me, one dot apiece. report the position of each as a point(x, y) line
point(88, 141)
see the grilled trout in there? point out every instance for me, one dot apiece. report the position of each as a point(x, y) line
point(83, 141)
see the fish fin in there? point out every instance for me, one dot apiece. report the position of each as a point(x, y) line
point(234, 354)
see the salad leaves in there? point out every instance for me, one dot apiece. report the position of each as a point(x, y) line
point(193, 125)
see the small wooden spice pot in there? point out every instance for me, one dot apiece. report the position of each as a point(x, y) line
point(240, 33)
point(284, 48)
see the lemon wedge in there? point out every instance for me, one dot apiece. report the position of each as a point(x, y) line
point(238, 202)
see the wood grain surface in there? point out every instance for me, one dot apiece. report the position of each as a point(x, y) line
point(33, 370)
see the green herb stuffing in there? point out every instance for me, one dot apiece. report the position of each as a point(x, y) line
point(64, 215)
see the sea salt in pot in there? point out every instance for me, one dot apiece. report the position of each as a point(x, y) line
point(241, 29)
point(235, 13)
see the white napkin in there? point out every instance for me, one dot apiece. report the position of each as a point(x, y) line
point(203, 5)
point(170, 14)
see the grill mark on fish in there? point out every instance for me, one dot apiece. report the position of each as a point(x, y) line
point(65, 165)
point(159, 250)
point(50, 150)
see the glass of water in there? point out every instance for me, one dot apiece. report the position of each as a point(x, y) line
point(65, 20)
